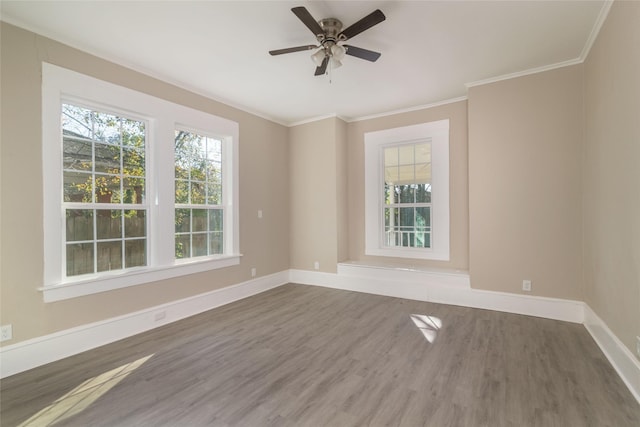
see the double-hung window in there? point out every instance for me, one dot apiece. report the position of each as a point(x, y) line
point(199, 213)
point(136, 188)
point(104, 181)
point(407, 191)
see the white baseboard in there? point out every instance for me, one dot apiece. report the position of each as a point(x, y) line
point(39, 351)
point(440, 287)
point(623, 361)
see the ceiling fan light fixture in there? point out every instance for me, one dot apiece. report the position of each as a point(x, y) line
point(338, 52)
point(318, 57)
point(335, 63)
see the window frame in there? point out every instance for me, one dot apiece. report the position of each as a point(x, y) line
point(162, 118)
point(437, 134)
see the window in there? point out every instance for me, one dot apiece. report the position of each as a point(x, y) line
point(407, 195)
point(103, 192)
point(198, 181)
point(407, 191)
point(136, 189)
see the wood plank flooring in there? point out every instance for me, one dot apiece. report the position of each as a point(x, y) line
point(309, 356)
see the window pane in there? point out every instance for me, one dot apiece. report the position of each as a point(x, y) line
point(180, 172)
point(391, 174)
point(391, 156)
point(133, 162)
point(199, 220)
point(423, 193)
point(76, 122)
point(109, 224)
point(133, 190)
point(214, 194)
point(407, 194)
point(406, 174)
point(107, 189)
point(199, 245)
point(214, 149)
point(79, 259)
point(109, 256)
point(135, 253)
point(423, 173)
point(182, 191)
point(214, 172)
point(183, 220)
point(197, 193)
point(78, 187)
point(133, 134)
point(405, 155)
point(406, 224)
point(77, 153)
point(216, 245)
point(107, 158)
point(423, 217)
point(106, 127)
point(135, 223)
point(79, 224)
point(215, 220)
point(183, 245)
point(423, 153)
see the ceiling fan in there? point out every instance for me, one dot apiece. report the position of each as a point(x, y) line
point(329, 34)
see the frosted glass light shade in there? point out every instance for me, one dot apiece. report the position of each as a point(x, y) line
point(318, 57)
point(337, 52)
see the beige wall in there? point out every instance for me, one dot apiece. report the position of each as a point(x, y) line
point(313, 192)
point(611, 173)
point(525, 212)
point(263, 168)
point(458, 182)
point(342, 190)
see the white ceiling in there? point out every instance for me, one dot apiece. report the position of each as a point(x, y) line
point(430, 49)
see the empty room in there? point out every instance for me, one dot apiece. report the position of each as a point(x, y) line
point(320, 213)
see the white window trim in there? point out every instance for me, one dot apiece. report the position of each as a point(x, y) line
point(437, 133)
point(59, 84)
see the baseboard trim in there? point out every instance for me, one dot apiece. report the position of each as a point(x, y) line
point(35, 352)
point(439, 287)
point(620, 357)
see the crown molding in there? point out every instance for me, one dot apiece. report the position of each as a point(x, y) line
point(597, 26)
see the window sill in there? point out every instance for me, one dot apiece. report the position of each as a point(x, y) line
point(117, 280)
point(413, 253)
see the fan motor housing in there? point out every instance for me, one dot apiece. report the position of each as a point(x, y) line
point(331, 27)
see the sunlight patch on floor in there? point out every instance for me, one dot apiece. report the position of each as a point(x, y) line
point(81, 397)
point(428, 325)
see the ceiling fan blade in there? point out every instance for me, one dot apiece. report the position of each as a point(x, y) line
point(323, 67)
point(361, 53)
point(365, 23)
point(303, 14)
point(292, 49)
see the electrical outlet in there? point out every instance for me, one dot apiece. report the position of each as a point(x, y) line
point(160, 315)
point(316, 265)
point(259, 213)
point(253, 272)
point(7, 333)
point(526, 285)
